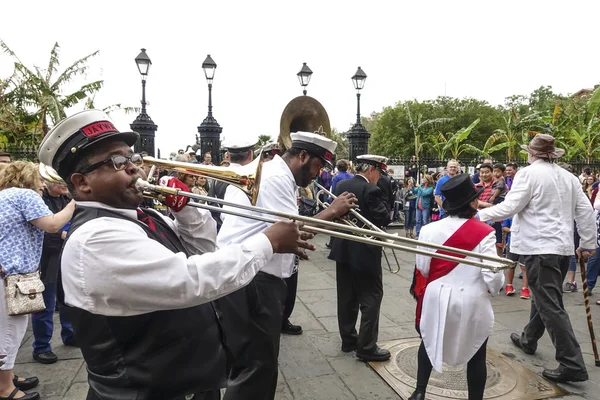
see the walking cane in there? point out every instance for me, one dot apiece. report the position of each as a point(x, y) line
point(588, 311)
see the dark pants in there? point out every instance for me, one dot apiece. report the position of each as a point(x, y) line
point(43, 323)
point(210, 395)
point(254, 368)
point(545, 274)
point(476, 371)
point(290, 298)
point(359, 289)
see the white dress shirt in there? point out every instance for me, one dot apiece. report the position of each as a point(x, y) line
point(278, 191)
point(545, 199)
point(111, 267)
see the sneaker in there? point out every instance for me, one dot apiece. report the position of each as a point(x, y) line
point(510, 290)
point(570, 287)
point(521, 275)
point(525, 293)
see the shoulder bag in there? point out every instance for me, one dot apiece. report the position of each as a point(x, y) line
point(24, 293)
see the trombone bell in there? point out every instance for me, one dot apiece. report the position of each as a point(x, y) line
point(246, 178)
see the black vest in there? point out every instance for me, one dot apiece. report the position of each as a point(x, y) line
point(159, 355)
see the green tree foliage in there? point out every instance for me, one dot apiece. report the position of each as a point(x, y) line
point(35, 98)
point(263, 140)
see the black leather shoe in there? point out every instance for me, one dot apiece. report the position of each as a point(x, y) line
point(28, 396)
point(347, 348)
point(516, 339)
point(46, 358)
point(291, 329)
point(557, 375)
point(378, 354)
point(27, 384)
point(328, 245)
point(417, 396)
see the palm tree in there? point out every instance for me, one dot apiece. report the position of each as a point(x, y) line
point(584, 136)
point(417, 126)
point(43, 90)
point(264, 140)
point(455, 144)
point(436, 142)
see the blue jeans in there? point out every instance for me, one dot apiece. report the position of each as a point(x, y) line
point(422, 219)
point(43, 324)
point(592, 269)
point(409, 218)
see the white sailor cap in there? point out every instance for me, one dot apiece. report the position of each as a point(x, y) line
point(376, 161)
point(271, 149)
point(239, 146)
point(315, 144)
point(62, 147)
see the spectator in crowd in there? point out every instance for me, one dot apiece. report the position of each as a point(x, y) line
point(207, 158)
point(399, 203)
point(511, 170)
point(588, 186)
point(55, 197)
point(452, 169)
point(487, 181)
point(410, 207)
point(476, 177)
point(585, 172)
point(424, 200)
point(201, 186)
point(5, 158)
point(192, 157)
point(24, 217)
point(499, 185)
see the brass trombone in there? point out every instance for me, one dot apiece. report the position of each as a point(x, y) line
point(248, 183)
point(357, 216)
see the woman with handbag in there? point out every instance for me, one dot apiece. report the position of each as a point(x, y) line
point(24, 217)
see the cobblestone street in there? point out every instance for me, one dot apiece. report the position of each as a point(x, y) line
point(312, 365)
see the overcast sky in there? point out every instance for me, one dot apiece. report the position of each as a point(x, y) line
point(417, 49)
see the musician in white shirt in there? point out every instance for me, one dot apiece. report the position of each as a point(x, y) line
point(138, 286)
point(278, 191)
point(544, 200)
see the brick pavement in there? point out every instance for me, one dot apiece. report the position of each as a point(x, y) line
point(312, 365)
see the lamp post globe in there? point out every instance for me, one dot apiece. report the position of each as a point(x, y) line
point(358, 136)
point(143, 124)
point(209, 139)
point(304, 77)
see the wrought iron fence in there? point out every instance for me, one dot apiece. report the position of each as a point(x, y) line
point(28, 153)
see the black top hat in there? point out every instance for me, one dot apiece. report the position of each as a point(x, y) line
point(459, 191)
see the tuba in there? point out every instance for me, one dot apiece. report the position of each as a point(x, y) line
point(304, 113)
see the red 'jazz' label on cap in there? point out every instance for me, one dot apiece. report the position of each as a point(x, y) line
point(328, 156)
point(98, 128)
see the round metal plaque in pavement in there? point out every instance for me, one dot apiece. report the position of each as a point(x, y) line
point(507, 379)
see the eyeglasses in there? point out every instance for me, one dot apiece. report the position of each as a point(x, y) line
point(119, 162)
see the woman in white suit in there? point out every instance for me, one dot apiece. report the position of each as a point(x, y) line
point(454, 312)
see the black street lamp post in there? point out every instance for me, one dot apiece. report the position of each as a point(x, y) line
point(358, 136)
point(304, 77)
point(143, 124)
point(209, 129)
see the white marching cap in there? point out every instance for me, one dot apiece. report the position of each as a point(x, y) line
point(315, 144)
point(377, 161)
point(239, 146)
point(62, 146)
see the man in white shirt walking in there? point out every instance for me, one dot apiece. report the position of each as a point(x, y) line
point(545, 199)
point(280, 179)
point(138, 285)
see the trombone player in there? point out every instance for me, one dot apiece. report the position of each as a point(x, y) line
point(137, 285)
point(358, 265)
point(264, 305)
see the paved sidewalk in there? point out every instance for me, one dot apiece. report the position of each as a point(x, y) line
point(312, 365)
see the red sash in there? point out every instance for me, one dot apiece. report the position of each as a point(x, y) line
point(469, 235)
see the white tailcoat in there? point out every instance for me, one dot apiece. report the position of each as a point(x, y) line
point(457, 315)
